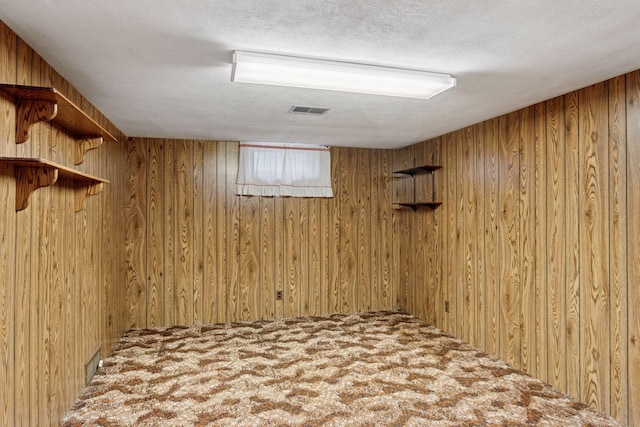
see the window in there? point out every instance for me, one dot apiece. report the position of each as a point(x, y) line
point(279, 169)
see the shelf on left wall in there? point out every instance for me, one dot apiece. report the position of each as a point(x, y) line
point(36, 104)
point(33, 173)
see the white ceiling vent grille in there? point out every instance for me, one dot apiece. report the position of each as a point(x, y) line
point(314, 111)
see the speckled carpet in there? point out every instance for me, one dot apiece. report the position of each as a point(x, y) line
point(385, 369)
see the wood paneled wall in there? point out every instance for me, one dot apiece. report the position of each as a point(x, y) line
point(199, 253)
point(536, 247)
point(62, 273)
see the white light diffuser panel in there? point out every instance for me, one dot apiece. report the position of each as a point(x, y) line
point(281, 70)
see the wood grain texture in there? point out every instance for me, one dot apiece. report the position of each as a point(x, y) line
point(492, 259)
point(221, 208)
point(291, 257)
point(303, 264)
point(633, 242)
point(319, 252)
point(169, 220)
point(388, 289)
point(451, 232)
point(557, 261)
point(314, 261)
point(527, 240)
point(540, 241)
point(184, 296)
point(23, 280)
point(267, 282)
point(198, 231)
point(594, 246)
point(155, 235)
point(481, 257)
point(469, 239)
point(618, 247)
point(136, 233)
point(249, 287)
point(348, 231)
point(364, 232)
point(572, 239)
point(211, 275)
point(8, 62)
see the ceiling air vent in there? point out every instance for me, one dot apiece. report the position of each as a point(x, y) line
point(315, 111)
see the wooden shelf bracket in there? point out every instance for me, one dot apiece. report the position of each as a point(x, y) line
point(32, 111)
point(83, 145)
point(29, 179)
point(32, 174)
point(83, 191)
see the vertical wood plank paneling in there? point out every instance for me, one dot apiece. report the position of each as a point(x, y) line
point(508, 238)
point(184, 233)
point(170, 214)
point(540, 238)
point(452, 232)
point(155, 235)
point(314, 299)
point(556, 261)
point(364, 230)
point(279, 247)
point(572, 249)
point(249, 257)
point(402, 246)
point(416, 287)
point(222, 213)
point(633, 260)
point(7, 234)
point(23, 254)
point(211, 277)
point(302, 283)
point(136, 230)
point(348, 231)
point(618, 240)
point(436, 239)
point(58, 249)
point(334, 237)
point(267, 261)
point(374, 223)
point(469, 239)
point(387, 286)
point(460, 285)
point(291, 256)
point(594, 246)
point(52, 259)
point(40, 281)
point(527, 241)
point(325, 265)
point(197, 218)
point(233, 230)
point(491, 236)
point(480, 260)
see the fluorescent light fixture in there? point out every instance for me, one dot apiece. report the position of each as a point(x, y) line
point(282, 70)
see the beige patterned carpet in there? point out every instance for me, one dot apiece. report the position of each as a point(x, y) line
point(385, 369)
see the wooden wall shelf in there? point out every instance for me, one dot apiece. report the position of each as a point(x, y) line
point(415, 206)
point(32, 174)
point(412, 172)
point(418, 169)
point(40, 104)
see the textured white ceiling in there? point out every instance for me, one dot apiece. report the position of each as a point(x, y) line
point(161, 68)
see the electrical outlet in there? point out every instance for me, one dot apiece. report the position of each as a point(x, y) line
point(92, 366)
point(279, 295)
point(446, 306)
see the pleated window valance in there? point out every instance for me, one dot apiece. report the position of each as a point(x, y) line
point(279, 169)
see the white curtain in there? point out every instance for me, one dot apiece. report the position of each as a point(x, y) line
point(279, 169)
